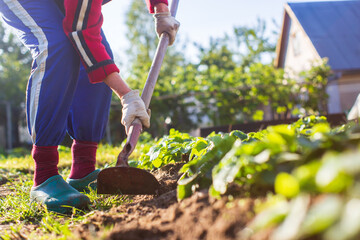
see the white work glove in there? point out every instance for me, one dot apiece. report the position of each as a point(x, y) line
point(164, 22)
point(133, 107)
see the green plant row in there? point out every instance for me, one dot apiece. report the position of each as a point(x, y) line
point(308, 166)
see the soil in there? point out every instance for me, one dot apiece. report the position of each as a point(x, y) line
point(163, 217)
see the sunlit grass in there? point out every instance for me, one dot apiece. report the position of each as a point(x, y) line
point(16, 206)
point(16, 210)
point(12, 162)
point(107, 155)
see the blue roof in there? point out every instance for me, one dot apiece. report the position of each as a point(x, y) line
point(334, 29)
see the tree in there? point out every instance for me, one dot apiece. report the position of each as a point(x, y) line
point(167, 102)
point(252, 43)
point(232, 72)
point(230, 83)
point(314, 82)
point(237, 86)
point(15, 63)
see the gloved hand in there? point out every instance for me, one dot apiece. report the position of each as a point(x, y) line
point(133, 107)
point(164, 22)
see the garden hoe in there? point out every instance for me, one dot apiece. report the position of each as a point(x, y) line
point(123, 179)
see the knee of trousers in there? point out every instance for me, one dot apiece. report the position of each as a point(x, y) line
point(51, 89)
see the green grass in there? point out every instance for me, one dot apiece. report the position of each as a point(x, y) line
point(106, 155)
point(18, 213)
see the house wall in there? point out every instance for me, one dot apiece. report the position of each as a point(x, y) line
point(300, 53)
point(296, 53)
point(334, 100)
point(349, 89)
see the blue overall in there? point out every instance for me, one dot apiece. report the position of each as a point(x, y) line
point(59, 95)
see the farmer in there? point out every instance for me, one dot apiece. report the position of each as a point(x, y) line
point(69, 88)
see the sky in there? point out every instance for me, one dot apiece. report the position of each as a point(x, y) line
point(200, 19)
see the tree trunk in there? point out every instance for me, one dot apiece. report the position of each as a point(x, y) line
point(15, 119)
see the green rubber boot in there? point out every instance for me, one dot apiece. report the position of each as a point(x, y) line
point(83, 184)
point(58, 195)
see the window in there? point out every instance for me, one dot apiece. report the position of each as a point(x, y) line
point(296, 43)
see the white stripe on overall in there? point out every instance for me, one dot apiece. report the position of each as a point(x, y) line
point(40, 59)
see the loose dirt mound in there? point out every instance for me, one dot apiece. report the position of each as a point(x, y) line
point(162, 217)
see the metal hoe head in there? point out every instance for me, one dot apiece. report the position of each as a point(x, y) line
point(126, 180)
point(123, 179)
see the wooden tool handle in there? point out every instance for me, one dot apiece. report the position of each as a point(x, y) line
point(136, 127)
point(157, 61)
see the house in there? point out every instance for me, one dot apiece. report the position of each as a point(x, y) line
point(315, 30)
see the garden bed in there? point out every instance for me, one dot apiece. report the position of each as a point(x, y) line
point(296, 181)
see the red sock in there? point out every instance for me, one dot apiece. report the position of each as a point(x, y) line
point(46, 161)
point(84, 158)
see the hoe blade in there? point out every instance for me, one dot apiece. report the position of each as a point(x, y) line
point(126, 180)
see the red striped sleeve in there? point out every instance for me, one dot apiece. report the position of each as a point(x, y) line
point(152, 3)
point(82, 24)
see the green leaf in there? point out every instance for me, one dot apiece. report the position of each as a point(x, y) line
point(262, 157)
point(183, 191)
point(154, 153)
point(239, 134)
point(158, 162)
point(198, 169)
point(271, 216)
point(290, 226)
point(289, 157)
point(214, 193)
point(321, 215)
point(226, 171)
point(200, 144)
point(286, 185)
point(305, 174)
point(331, 177)
point(349, 225)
